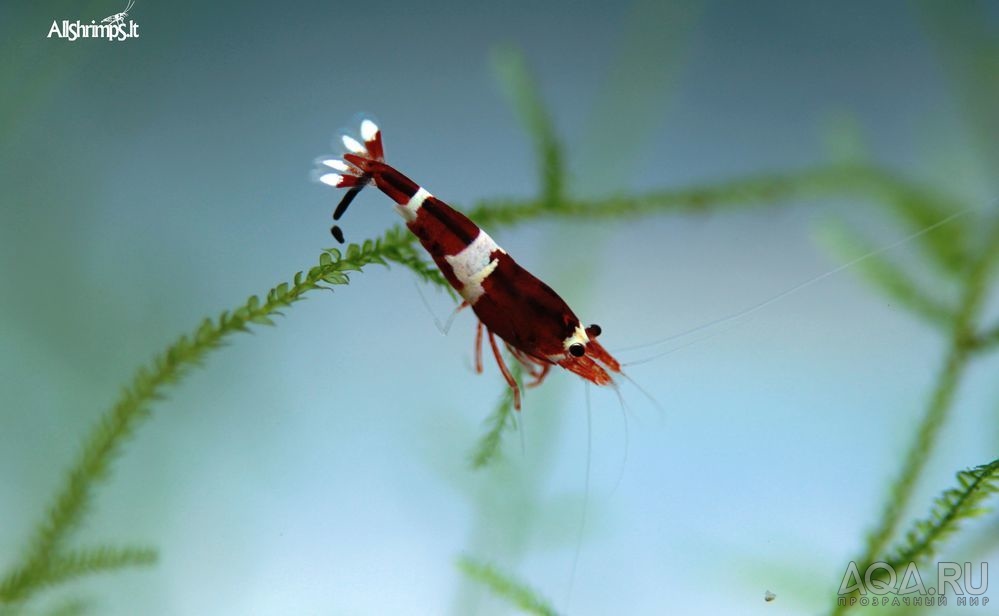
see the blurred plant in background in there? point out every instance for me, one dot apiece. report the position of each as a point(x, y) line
point(964, 252)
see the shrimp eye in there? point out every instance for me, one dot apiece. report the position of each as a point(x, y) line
point(577, 350)
point(593, 330)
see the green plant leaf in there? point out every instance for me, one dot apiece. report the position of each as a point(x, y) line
point(952, 507)
point(488, 448)
point(506, 586)
point(522, 91)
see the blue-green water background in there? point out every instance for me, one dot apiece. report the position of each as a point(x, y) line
point(320, 467)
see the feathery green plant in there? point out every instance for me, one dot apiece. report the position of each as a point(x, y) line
point(891, 279)
point(488, 447)
point(524, 96)
point(967, 255)
point(506, 586)
point(953, 506)
point(94, 462)
point(48, 559)
point(965, 335)
point(949, 509)
point(80, 562)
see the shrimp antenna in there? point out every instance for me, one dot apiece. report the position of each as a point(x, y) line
point(586, 496)
point(742, 314)
point(129, 7)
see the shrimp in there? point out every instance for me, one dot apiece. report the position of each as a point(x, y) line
point(538, 327)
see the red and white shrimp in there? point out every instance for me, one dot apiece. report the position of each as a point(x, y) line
point(537, 326)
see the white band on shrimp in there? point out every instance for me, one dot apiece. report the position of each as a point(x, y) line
point(474, 264)
point(411, 208)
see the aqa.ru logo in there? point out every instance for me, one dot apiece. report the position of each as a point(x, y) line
point(112, 28)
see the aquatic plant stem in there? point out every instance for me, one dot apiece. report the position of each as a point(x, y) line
point(106, 439)
point(954, 505)
point(504, 585)
point(962, 348)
